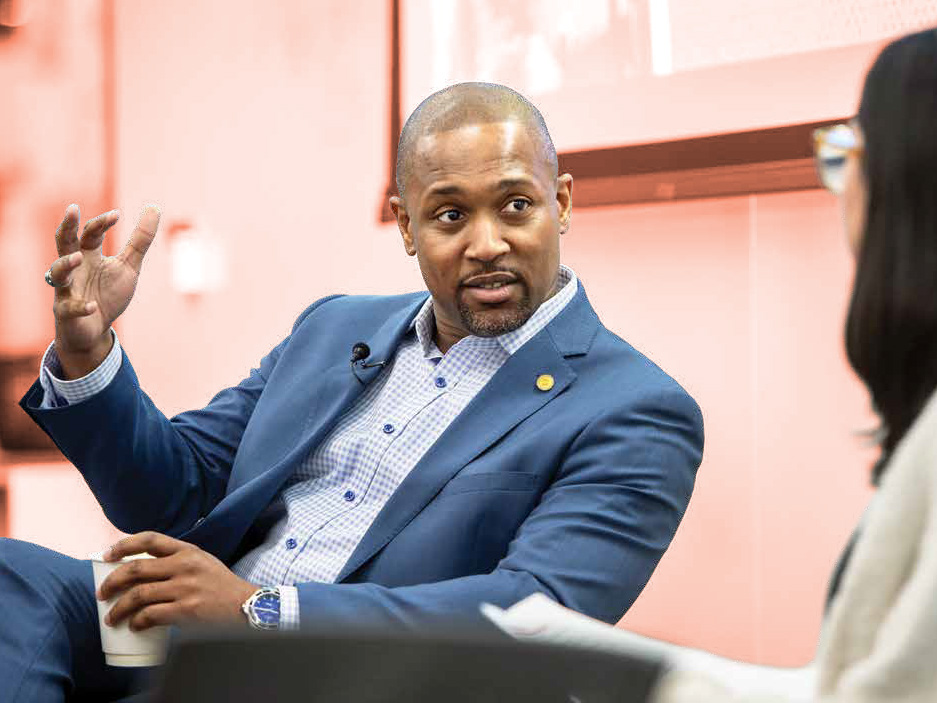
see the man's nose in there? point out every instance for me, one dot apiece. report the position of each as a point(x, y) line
point(486, 240)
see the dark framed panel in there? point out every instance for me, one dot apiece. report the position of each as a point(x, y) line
point(741, 163)
point(726, 162)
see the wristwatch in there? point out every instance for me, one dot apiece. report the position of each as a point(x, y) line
point(263, 609)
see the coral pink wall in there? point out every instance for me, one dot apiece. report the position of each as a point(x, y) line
point(52, 148)
point(265, 124)
point(742, 300)
point(53, 507)
point(268, 127)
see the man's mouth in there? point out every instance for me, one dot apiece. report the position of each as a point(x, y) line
point(491, 288)
point(490, 280)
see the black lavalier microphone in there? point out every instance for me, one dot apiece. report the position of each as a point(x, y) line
point(361, 351)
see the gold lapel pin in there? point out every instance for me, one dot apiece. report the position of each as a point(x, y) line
point(544, 382)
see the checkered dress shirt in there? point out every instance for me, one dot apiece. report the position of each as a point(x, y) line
point(337, 492)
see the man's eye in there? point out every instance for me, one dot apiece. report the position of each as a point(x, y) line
point(517, 205)
point(449, 216)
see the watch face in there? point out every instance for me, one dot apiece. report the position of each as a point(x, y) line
point(267, 608)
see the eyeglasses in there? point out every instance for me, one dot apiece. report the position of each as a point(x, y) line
point(831, 147)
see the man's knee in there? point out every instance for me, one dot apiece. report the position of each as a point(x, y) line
point(43, 585)
point(27, 567)
point(51, 641)
point(27, 555)
point(17, 558)
point(10, 546)
point(18, 549)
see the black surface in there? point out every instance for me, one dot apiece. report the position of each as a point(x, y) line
point(392, 667)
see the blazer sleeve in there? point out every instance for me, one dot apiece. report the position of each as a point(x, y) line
point(592, 541)
point(147, 471)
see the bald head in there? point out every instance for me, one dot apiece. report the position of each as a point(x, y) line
point(466, 104)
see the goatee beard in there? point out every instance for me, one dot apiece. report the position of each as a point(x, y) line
point(494, 323)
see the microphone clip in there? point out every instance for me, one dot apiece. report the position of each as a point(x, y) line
point(361, 351)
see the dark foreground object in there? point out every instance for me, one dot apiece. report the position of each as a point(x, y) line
point(393, 667)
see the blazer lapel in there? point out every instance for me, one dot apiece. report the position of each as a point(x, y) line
point(509, 397)
point(383, 343)
point(337, 388)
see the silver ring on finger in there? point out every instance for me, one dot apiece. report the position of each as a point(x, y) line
point(48, 278)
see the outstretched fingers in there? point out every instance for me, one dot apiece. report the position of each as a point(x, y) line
point(93, 234)
point(141, 238)
point(67, 305)
point(66, 236)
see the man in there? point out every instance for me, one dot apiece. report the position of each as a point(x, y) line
point(396, 459)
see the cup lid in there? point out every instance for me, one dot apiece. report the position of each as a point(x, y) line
point(99, 556)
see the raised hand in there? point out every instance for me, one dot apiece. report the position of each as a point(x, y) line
point(92, 290)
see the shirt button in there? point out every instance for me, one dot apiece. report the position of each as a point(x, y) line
point(440, 382)
point(388, 428)
point(349, 496)
point(291, 543)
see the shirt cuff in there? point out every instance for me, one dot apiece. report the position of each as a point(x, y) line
point(58, 392)
point(289, 608)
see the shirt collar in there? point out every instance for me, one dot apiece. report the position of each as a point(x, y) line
point(425, 323)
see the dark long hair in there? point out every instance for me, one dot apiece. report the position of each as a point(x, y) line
point(891, 328)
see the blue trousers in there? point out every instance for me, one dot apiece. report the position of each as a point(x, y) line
point(50, 646)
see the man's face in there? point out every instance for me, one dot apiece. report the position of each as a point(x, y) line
point(483, 215)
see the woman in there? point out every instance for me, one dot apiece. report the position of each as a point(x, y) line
point(879, 637)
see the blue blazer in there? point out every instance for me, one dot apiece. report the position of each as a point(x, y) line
point(575, 491)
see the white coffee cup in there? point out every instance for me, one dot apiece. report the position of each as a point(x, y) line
point(122, 646)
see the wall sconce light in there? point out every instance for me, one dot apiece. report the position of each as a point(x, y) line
point(196, 259)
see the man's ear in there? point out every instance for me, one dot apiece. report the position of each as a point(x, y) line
point(564, 200)
point(399, 209)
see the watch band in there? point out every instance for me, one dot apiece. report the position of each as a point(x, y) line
point(262, 609)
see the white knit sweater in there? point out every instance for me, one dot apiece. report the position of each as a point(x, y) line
point(879, 639)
